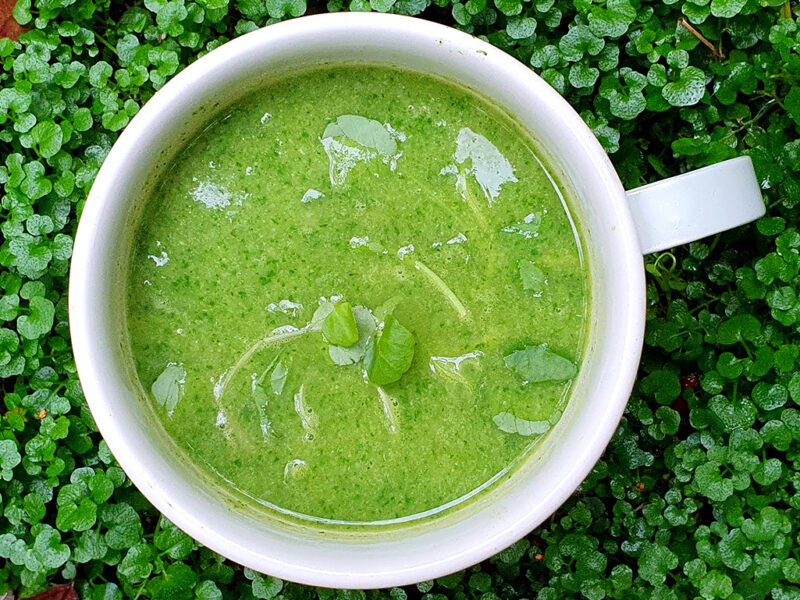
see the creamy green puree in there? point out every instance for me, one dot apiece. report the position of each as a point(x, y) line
point(357, 296)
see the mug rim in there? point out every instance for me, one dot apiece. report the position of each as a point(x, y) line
point(82, 297)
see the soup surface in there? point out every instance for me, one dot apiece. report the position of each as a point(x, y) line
point(357, 296)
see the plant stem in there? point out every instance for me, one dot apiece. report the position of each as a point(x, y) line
point(463, 188)
point(388, 411)
point(141, 589)
point(105, 43)
point(714, 51)
point(277, 338)
point(443, 288)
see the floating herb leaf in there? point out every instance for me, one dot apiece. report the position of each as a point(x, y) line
point(168, 388)
point(295, 469)
point(528, 227)
point(387, 308)
point(389, 416)
point(489, 167)
point(339, 327)
point(510, 424)
point(536, 363)
point(308, 419)
point(366, 132)
point(390, 355)
point(367, 244)
point(450, 367)
point(532, 277)
point(278, 378)
point(261, 398)
point(319, 316)
point(366, 326)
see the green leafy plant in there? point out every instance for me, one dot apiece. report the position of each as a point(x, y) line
point(698, 493)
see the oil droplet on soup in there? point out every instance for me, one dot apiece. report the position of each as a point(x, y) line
point(425, 210)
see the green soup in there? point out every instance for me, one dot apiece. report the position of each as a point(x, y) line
point(357, 296)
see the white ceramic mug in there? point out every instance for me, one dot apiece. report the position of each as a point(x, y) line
point(618, 228)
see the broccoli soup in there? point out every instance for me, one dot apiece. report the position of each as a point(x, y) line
point(357, 296)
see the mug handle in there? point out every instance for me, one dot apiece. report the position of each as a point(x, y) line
point(696, 204)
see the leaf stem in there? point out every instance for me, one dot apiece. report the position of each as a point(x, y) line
point(308, 419)
point(388, 411)
point(714, 50)
point(141, 589)
point(277, 338)
point(443, 288)
point(105, 43)
point(463, 188)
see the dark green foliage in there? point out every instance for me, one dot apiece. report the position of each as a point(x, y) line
point(698, 494)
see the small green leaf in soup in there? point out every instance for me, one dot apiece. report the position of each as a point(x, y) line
point(510, 424)
point(535, 364)
point(278, 378)
point(169, 387)
point(366, 132)
point(390, 355)
point(366, 326)
point(532, 277)
point(339, 327)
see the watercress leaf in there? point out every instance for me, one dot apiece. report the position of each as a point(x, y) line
point(463, 369)
point(387, 308)
point(532, 277)
point(727, 8)
point(279, 8)
point(123, 523)
point(9, 458)
point(389, 355)
point(528, 227)
point(366, 324)
point(47, 138)
point(77, 516)
point(655, 562)
point(278, 378)
point(175, 583)
point(339, 327)
point(318, 318)
point(90, 546)
point(172, 541)
point(613, 20)
point(207, 590)
point(687, 90)
point(169, 387)
point(381, 5)
point(737, 329)
point(49, 550)
point(510, 424)
point(264, 587)
point(99, 73)
point(536, 364)
point(663, 385)
point(521, 28)
point(38, 321)
point(711, 483)
point(136, 565)
point(367, 132)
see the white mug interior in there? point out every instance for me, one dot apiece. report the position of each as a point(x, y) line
point(362, 559)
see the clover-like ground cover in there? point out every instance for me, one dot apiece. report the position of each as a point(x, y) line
point(698, 494)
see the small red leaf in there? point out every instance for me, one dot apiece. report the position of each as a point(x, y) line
point(690, 381)
point(58, 592)
point(9, 28)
